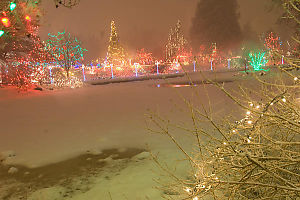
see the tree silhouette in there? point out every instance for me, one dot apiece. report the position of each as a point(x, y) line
point(216, 21)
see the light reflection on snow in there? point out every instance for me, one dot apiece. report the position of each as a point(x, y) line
point(174, 85)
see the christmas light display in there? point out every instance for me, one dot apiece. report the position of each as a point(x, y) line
point(65, 49)
point(272, 42)
point(144, 58)
point(115, 53)
point(258, 60)
point(21, 52)
point(176, 43)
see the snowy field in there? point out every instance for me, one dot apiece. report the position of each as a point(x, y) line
point(40, 128)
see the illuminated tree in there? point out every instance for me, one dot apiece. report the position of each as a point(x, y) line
point(258, 60)
point(251, 157)
point(19, 42)
point(65, 49)
point(18, 22)
point(272, 42)
point(115, 53)
point(176, 43)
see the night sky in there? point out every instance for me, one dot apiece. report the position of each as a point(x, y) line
point(140, 23)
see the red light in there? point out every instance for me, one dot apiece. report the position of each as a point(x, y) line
point(28, 18)
point(5, 21)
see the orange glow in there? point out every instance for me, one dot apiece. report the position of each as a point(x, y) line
point(5, 21)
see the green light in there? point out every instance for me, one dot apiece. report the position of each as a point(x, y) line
point(1, 33)
point(12, 6)
point(258, 60)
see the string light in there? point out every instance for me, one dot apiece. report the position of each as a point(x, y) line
point(284, 100)
point(1, 32)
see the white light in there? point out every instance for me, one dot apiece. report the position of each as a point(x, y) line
point(257, 107)
point(249, 122)
point(251, 104)
point(248, 112)
point(233, 131)
point(188, 190)
point(224, 143)
point(284, 100)
point(195, 198)
point(248, 140)
point(296, 78)
point(272, 104)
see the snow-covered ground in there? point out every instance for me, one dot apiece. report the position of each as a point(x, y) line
point(43, 127)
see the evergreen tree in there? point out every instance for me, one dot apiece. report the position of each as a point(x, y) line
point(216, 21)
point(115, 53)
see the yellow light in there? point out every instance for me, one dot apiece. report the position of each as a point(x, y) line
point(28, 18)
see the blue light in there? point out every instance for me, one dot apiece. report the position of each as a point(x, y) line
point(112, 71)
point(194, 66)
point(84, 79)
point(228, 63)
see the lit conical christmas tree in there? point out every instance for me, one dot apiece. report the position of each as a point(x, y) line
point(177, 44)
point(115, 53)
